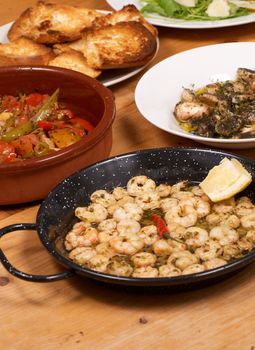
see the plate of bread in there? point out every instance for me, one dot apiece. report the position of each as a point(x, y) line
point(108, 46)
point(168, 21)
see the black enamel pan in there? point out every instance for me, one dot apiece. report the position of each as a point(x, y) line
point(56, 213)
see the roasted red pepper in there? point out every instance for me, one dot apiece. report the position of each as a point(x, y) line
point(7, 152)
point(160, 224)
point(82, 123)
point(34, 99)
point(45, 125)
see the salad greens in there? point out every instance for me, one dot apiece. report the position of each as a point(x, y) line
point(170, 8)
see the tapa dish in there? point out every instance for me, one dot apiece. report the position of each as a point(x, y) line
point(32, 179)
point(160, 88)
point(56, 214)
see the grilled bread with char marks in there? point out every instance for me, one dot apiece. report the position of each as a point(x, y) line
point(122, 45)
point(24, 51)
point(128, 13)
point(74, 60)
point(49, 23)
point(83, 39)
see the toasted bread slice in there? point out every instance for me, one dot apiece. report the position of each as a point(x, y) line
point(24, 51)
point(48, 23)
point(126, 14)
point(74, 60)
point(123, 45)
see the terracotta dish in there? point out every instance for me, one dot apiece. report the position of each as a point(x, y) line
point(30, 180)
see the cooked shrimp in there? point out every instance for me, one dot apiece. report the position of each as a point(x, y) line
point(185, 111)
point(177, 246)
point(126, 246)
point(179, 186)
point(95, 212)
point(184, 215)
point(103, 197)
point(232, 221)
point(213, 219)
point(224, 234)
point(106, 236)
point(197, 191)
point(107, 225)
point(231, 251)
point(125, 199)
point(182, 195)
point(119, 192)
point(111, 209)
point(72, 236)
point(143, 259)
point(210, 250)
point(119, 267)
point(224, 207)
point(195, 268)
point(250, 236)
point(196, 236)
point(202, 207)
point(128, 211)
point(85, 238)
point(128, 227)
point(168, 203)
point(117, 233)
point(176, 231)
point(163, 190)
point(145, 271)
point(244, 206)
point(148, 200)
point(248, 221)
point(244, 244)
point(140, 184)
point(161, 247)
point(82, 255)
point(169, 270)
point(104, 249)
point(149, 234)
point(182, 259)
point(99, 262)
point(214, 263)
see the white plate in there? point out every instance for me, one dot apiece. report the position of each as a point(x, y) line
point(158, 20)
point(160, 88)
point(109, 77)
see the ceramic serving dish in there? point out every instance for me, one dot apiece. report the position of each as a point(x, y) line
point(160, 88)
point(29, 180)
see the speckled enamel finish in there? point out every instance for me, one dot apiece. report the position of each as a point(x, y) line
point(56, 214)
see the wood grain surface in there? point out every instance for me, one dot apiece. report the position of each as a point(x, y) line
point(79, 313)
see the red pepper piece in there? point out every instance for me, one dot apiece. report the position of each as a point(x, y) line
point(34, 99)
point(82, 123)
point(45, 125)
point(7, 152)
point(10, 103)
point(160, 224)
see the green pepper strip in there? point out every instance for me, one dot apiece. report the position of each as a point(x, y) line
point(30, 125)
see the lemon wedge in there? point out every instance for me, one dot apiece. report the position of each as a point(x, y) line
point(225, 180)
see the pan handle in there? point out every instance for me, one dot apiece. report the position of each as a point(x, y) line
point(20, 274)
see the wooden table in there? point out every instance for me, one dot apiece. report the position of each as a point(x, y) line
point(78, 313)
